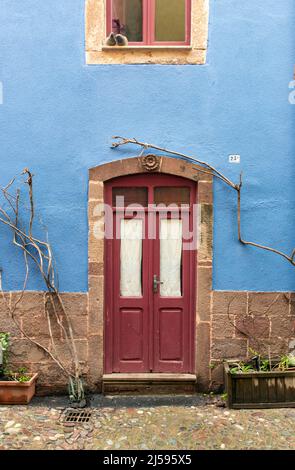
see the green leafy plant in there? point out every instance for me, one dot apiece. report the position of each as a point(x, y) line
point(260, 364)
point(253, 352)
point(21, 374)
point(291, 360)
point(223, 397)
point(4, 344)
point(284, 363)
point(76, 390)
point(241, 367)
point(265, 365)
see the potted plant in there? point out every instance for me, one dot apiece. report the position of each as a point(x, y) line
point(260, 382)
point(16, 387)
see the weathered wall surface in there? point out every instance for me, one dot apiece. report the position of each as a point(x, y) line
point(243, 322)
point(31, 317)
point(265, 322)
point(58, 116)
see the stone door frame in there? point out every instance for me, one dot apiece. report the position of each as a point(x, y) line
point(96, 256)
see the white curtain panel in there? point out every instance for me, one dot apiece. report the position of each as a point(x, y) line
point(131, 258)
point(170, 257)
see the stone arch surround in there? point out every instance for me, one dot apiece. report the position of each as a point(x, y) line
point(267, 316)
point(97, 177)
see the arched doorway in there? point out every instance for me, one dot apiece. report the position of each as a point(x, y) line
point(102, 341)
point(151, 249)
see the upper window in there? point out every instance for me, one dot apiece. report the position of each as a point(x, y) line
point(150, 31)
point(150, 22)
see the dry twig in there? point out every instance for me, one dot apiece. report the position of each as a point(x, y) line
point(120, 141)
point(40, 253)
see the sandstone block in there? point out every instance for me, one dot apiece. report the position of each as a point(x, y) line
point(234, 303)
point(204, 293)
point(32, 303)
point(270, 303)
point(231, 349)
point(22, 350)
point(222, 327)
point(203, 356)
point(283, 326)
point(258, 327)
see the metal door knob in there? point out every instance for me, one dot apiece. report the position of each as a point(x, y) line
point(156, 283)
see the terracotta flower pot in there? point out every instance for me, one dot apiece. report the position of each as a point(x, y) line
point(17, 393)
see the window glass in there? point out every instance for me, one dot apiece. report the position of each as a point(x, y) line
point(127, 19)
point(170, 20)
point(138, 196)
point(172, 195)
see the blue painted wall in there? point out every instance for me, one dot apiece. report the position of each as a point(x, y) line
point(58, 116)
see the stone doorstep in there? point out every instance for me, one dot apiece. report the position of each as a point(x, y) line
point(149, 383)
point(150, 377)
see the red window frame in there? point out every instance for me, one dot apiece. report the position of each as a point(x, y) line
point(148, 29)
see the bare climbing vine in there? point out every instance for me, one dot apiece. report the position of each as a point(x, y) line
point(209, 169)
point(38, 252)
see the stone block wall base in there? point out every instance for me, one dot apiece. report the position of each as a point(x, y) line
point(50, 390)
point(236, 323)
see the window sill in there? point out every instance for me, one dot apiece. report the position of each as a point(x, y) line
point(152, 48)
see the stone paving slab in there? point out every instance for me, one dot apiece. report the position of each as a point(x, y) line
point(153, 423)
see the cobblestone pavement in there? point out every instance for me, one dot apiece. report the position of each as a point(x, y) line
point(125, 423)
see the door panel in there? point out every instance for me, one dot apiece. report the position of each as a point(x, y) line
point(150, 277)
point(172, 299)
point(130, 294)
point(170, 334)
point(131, 334)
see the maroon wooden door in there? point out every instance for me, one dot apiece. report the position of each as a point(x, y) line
point(150, 274)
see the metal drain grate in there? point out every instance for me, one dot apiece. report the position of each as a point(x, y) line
point(74, 416)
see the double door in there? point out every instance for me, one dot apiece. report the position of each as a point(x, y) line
point(150, 276)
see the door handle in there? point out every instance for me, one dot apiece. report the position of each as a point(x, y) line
point(156, 283)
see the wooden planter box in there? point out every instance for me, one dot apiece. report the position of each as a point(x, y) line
point(17, 393)
point(260, 389)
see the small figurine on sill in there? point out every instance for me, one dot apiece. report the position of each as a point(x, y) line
point(116, 39)
point(116, 25)
point(121, 40)
point(111, 40)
